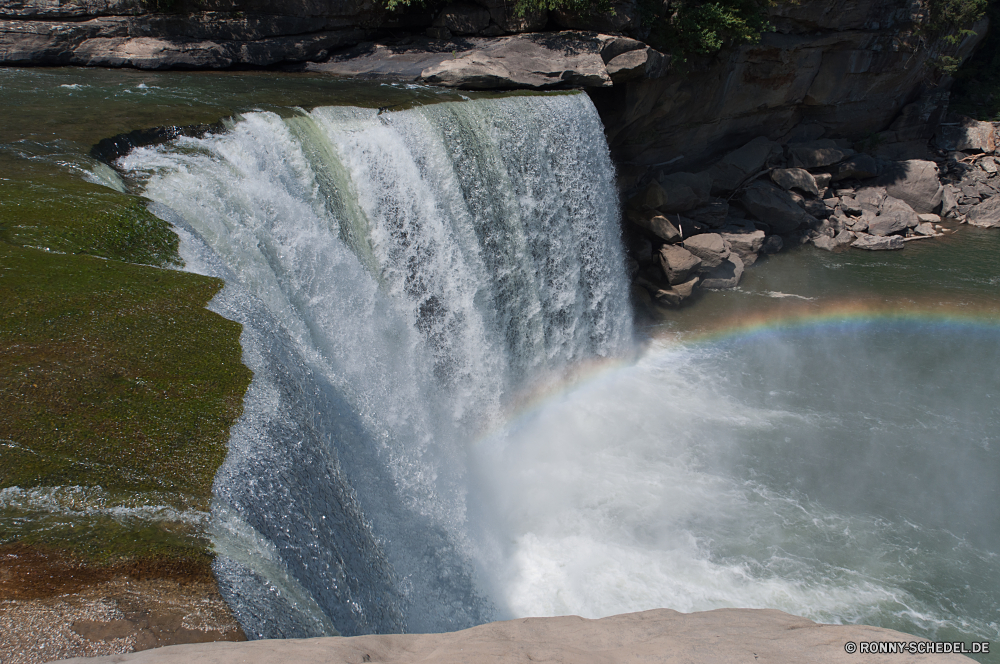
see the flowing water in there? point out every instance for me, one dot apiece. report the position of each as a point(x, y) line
point(452, 419)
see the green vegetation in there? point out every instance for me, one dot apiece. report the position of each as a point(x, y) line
point(951, 19)
point(976, 92)
point(113, 375)
point(691, 27)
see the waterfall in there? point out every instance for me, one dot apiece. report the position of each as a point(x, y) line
point(401, 277)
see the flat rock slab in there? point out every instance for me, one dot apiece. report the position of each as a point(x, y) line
point(530, 60)
point(754, 636)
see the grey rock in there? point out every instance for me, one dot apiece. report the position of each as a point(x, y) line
point(730, 171)
point(877, 243)
point(895, 217)
point(795, 178)
point(678, 263)
point(726, 275)
point(699, 183)
point(743, 243)
point(925, 228)
point(967, 134)
point(859, 167)
point(929, 218)
point(986, 214)
point(872, 197)
point(817, 154)
point(637, 64)
point(775, 207)
point(949, 201)
point(823, 180)
point(675, 197)
point(850, 205)
point(677, 293)
point(710, 248)
point(987, 164)
point(914, 181)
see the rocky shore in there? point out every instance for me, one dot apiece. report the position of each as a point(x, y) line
point(701, 230)
point(757, 636)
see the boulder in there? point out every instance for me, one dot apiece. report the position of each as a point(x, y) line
point(729, 172)
point(653, 197)
point(966, 134)
point(641, 249)
point(772, 245)
point(925, 228)
point(743, 243)
point(895, 217)
point(823, 180)
point(871, 196)
point(850, 205)
point(817, 154)
point(462, 19)
point(775, 207)
point(949, 201)
point(929, 218)
point(710, 248)
point(656, 224)
point(699, 183)
point(678, 263)
point(986, 214)
point(838, 241)
point(877, 243)
point(914, 181)
point(676, 294)
point(988, 164)
point(637, 64)
point(726, 275)
point(795, 178)
point(677, 197)
point(858, 167)
point(712, 215)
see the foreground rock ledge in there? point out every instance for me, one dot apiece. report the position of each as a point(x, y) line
point(755, 636)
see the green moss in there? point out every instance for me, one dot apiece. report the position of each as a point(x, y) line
point(113, 374)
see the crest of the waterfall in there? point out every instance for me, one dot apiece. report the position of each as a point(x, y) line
point(400, 276)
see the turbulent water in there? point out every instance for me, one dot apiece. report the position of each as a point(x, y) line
point(401, 276)
point(418, 287)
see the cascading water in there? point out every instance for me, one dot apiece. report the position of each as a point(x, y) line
point(400, 276)
point(410, 281)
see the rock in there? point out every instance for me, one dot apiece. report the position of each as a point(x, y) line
point(653, 197)
point(539, 60)
point(795, 178)
point(949, 201)
point(859, 167)
point(712, 215)
point(656, 224)
point(871, 196)
point(929, 218)
point(438, 33)
point(637, 64)
point(850, 205)
point(988, 164)
point(824, 242)
point(726, 275)
point(676, 294)
point(895, 217)
point(641, 249)
point(986, 214)
point(817, 154)
point(967, 134)
point(914, 181)
point(676, 196)
point(678, 263)
point(823, 180)
point(743, 243)
point(772, 245)
point(710, 248)
point(828, 243)
point(462, 19)
point(729, 172)
point(775, 207)
point(699, 183)
point(925, 228)
point(876, 243)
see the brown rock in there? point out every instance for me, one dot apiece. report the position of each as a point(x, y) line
point(678, 263)
point(730, 171)
point(817, 154)
point(710, 248)
point(795, 178)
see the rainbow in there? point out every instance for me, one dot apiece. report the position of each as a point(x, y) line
point(748, 326)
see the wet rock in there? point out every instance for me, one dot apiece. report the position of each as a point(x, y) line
point(710, 248)
point(838, 241)
point(795, 178)
point(878, 243)
point(859, 167)
point(726, 275)
point(743, 242)
point(677, 293)
point(817, 154)
point(986, 214)
point(730, 172)
point(775, 207)
point(678, 263)
point(772, 245)
point(914, 181)
point(895, 217)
